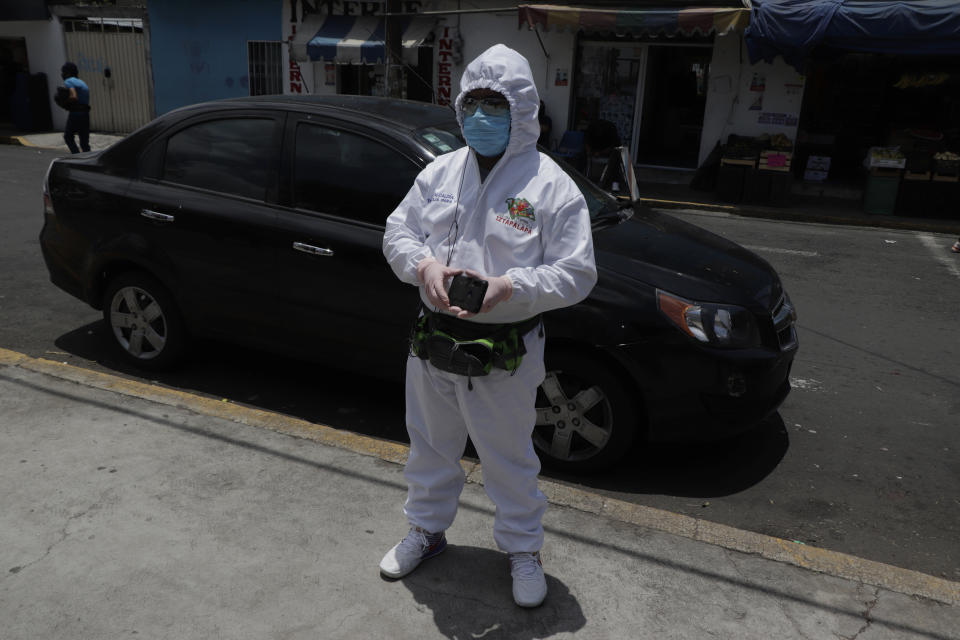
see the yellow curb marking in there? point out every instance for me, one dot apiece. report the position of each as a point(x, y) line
point(834, 563)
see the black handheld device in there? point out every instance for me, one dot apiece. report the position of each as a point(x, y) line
point(467, 292)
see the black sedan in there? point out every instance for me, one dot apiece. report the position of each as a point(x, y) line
point(260, 220)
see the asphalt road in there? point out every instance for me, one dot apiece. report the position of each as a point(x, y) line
point(862, 457)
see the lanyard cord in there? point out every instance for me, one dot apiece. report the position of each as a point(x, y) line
point(455, 225)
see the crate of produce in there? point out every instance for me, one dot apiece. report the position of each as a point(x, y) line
point(772, 160)
point(886, 158)
point(738, 162)
point(947, 163)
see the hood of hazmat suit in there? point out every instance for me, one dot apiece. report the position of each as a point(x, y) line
point(526, 219)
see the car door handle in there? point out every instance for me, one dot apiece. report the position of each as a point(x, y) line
point(309, 248)
point(155, 215)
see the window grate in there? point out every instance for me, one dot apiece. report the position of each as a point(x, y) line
point(265, 67)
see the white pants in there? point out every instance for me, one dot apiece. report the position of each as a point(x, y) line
point(499, 415)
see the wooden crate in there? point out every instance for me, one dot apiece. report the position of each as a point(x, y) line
point(942, 178)
point(738, 162)
point(772, 160)
point(919, 177)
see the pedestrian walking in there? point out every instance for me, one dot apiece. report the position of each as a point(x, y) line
point(78, 105)
point(494, 234)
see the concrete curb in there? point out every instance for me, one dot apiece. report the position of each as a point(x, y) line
point(841, 565)
point(16, 140)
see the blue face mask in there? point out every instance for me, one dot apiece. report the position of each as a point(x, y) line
point(488, 135)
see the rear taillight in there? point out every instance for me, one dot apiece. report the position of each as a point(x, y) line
point(47, 202)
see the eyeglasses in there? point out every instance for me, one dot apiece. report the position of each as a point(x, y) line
point(491, 106)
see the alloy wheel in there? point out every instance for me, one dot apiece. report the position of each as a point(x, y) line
point(574, 419)
point(138, 323)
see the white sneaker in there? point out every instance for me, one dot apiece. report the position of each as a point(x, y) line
point(529, 583)
point(411, 551)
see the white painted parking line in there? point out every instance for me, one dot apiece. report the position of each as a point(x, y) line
point(806, 384)
point(941, 252)
point(792, 252)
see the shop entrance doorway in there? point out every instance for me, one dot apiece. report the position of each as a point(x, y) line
point(673, 94)
point(649, 97)
point(13, 60)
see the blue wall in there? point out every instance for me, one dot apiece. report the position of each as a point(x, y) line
point(199, 47)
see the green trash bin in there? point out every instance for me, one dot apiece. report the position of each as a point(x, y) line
point(880, 196)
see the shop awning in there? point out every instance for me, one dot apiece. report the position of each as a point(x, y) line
point(793, 28)
point(355, 39)
point(635, 21)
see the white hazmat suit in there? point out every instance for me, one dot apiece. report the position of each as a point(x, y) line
point(526, 220)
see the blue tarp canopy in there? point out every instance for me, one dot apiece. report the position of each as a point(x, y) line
point(793, 28)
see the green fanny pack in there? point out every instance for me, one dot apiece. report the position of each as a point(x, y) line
point(468, 348)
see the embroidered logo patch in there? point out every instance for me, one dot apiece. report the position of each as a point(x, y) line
point(520, 208)
point(521, 214)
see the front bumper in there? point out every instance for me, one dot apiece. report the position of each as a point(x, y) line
point(690, 393)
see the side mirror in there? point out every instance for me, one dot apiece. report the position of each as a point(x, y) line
point(618, 176)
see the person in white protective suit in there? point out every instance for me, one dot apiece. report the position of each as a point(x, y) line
point(500, 211)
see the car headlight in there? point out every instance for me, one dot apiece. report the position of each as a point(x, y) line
point(723, 325)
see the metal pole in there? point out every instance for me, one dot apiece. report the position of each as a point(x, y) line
point(392, 47)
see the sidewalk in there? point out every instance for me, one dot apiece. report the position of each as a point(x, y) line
point(801, 208)
point(657, 194)
point(130, 510)
point(54, 140)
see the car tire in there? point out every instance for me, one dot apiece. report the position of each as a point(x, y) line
point(586, 420)
point(143, 321)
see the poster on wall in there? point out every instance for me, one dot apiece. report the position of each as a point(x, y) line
point(793, 88)
point(563, 78)
point(757, 104)
point(758, 83)
point(780, 119)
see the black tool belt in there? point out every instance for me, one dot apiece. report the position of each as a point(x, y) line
point(469, 348)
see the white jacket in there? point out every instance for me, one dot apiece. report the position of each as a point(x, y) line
point(527, 220)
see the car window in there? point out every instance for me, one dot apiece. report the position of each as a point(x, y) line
point(349, 175)
point(440, 139)
point(234, 155)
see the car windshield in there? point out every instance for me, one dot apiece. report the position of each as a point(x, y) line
point(444, 139)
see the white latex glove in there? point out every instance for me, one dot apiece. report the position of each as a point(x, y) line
point(436, 280)
point(499, 289)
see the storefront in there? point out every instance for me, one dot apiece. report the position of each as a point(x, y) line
point(641, 76)
point(668, 80)
point(881, 111)
point(31, 53)
point(339, 48)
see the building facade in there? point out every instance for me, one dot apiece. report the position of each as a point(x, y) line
point(673, 79)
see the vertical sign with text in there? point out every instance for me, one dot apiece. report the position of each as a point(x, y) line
point(445, 56)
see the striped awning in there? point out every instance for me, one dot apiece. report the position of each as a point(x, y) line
point(638, 22)
point(355, 39)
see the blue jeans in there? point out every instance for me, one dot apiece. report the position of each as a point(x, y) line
point(78, 122)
